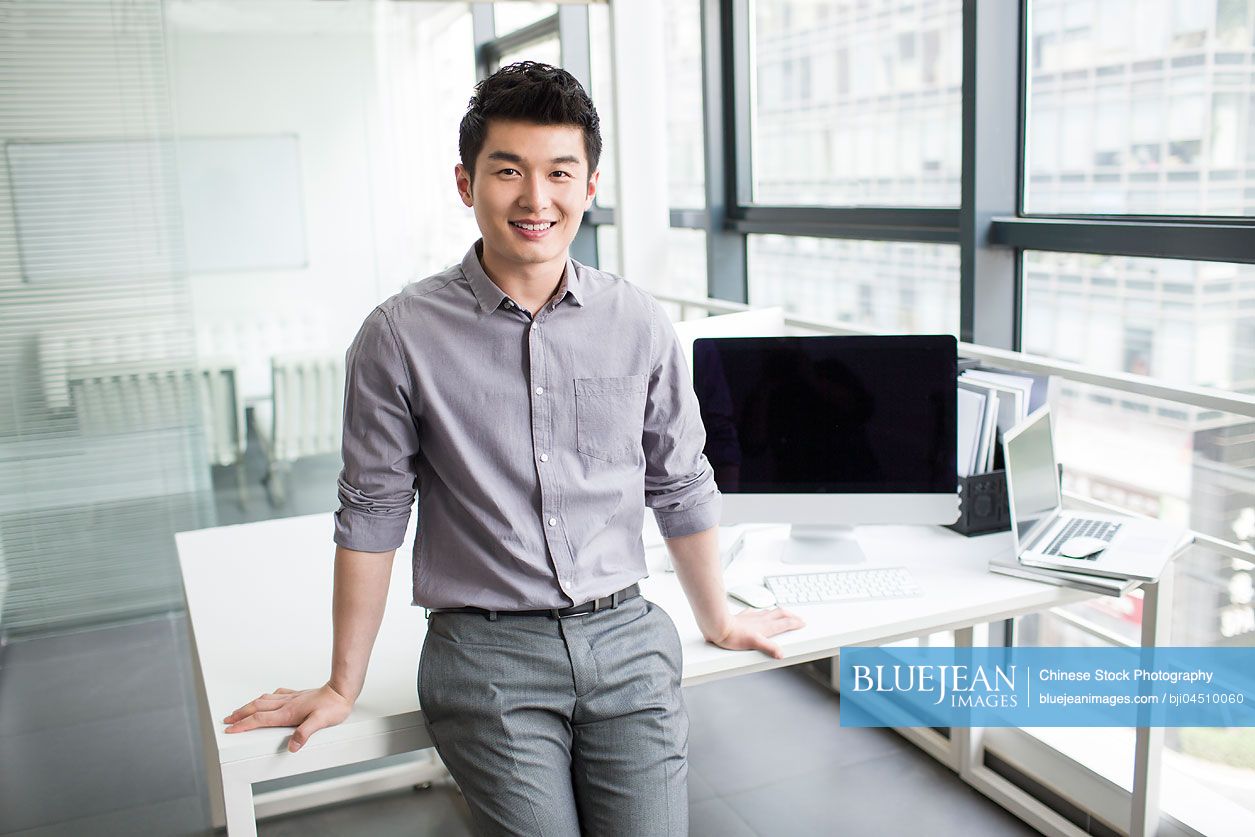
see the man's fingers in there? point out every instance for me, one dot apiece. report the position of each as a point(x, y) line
point(261, 704)
point(781, 622)
point(768, 647)
point(312, 724)
point(273, 718)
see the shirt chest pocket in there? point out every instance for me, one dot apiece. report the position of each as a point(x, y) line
point(609, 416)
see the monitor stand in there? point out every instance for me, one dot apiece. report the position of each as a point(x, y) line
point(822, 544)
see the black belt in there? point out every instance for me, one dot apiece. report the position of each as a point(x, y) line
point(604, 603)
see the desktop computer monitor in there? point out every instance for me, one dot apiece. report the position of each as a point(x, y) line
point(829, 432)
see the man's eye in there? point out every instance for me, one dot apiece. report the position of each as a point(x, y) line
point(562, 174)
point(508, 171)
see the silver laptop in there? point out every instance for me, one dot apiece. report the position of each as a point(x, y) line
point(1047, 536)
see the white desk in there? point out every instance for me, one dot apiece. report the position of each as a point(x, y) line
point(259, 603)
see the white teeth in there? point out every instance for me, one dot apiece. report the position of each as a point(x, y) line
point(533, 227)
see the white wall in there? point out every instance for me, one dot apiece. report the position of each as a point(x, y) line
point(316, 86)
point(328, 74)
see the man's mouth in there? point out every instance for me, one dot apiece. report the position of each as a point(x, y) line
point(532, 227)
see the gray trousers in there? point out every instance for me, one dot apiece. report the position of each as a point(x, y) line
point(561, 726)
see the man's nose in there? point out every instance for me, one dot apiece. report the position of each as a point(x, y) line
point(535, 194)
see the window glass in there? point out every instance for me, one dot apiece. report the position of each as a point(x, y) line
point(608, 248)
point(603, 98)
point(1140, 107)
point(686, 154)
point(856, 103)
point(884, 285)
point(1187, 322)
point(509, 16)
point(548, 51)
point(686, 263)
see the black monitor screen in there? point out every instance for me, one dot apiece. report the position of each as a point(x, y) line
point(823, 415)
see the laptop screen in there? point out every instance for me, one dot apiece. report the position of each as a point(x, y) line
point(1032, 477)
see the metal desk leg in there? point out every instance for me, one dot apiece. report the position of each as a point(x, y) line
point(966, 743)
point(1148, 749)
point(238, 797)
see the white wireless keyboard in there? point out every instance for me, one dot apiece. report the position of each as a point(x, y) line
point(843, 585)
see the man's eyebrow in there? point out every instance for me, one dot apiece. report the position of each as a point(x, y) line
point(509, 157)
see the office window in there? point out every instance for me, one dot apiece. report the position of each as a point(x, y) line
point(856, 103)
point(602, 93)
point(682, 53)
point(686, 263)
point(547, 51)
point(1187, 322)
point(608, 248)
point(1140, 108)
point(883, 285)
point(512, 15)
point(686, 153)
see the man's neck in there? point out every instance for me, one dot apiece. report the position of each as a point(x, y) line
point(530, 286)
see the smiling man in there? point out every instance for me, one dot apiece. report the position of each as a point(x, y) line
point(537, 406)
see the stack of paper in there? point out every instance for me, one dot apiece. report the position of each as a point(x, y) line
point(991, 403)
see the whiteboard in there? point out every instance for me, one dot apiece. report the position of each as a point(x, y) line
point(99, 208)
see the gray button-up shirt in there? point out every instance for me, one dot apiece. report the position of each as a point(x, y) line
point(534, 442)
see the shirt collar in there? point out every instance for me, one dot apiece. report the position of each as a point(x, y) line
point(489, 297)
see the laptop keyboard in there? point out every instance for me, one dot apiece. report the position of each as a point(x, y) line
point(1083, 528)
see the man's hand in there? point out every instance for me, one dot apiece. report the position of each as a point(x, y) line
point(309, 711)
point(749, 629)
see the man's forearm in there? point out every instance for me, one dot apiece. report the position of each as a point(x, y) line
point(696, 561)
point(357, 607)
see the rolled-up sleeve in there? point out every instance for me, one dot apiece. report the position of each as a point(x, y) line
point(379, 442)
point(679, 482)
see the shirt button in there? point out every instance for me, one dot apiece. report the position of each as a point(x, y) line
point(540, 390)
point(509, 304)
point(544, 457)
point(553, 521)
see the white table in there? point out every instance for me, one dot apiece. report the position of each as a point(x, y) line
point(259, 603)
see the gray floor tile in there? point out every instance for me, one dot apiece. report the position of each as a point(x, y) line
point(309, 487)
point(66, 773)
point(85, 642)
point(699, 788)
point(438, 811)
point(73, 689)
point(183, 817)
point(774, 725)
point(767, 756)
point(715, 818)
point(904, 794)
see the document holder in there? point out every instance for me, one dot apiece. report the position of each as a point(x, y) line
point(983, 504)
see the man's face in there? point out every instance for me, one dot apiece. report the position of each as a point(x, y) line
point(529, 193)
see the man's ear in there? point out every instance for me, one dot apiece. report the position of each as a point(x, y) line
point(592, 189)
point(463, 178)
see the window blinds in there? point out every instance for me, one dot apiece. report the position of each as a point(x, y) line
point(102, 449)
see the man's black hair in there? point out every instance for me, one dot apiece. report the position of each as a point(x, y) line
point(529, 91)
